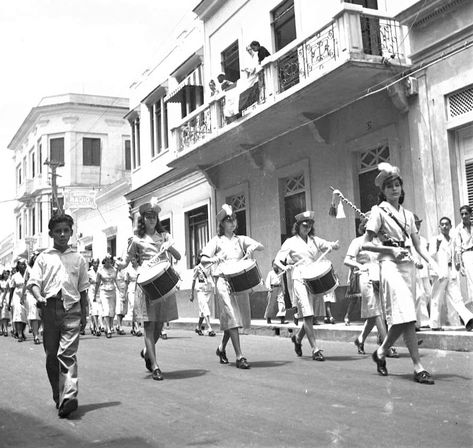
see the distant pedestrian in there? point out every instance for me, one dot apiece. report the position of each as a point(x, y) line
point(59, 283)
point(203, 284)
point(275, 296)
point(122, 300)
point(18, 300)
point(4, 308)
point(106, 288)
point(130, 281)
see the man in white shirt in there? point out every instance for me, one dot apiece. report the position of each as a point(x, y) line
point(464, 248)
point(447, 288)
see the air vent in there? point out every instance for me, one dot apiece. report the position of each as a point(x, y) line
point(460, 103)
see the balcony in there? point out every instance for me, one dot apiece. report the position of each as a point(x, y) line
point(30, 187)
point(311, 77)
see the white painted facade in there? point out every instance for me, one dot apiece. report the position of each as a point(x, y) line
point(70, 122)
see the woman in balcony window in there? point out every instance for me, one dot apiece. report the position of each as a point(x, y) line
point(396, 227)
point(107, 287)
point(303, 249)
point(152, 241)
point(234, 307)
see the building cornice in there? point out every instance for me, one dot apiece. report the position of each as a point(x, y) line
point(423, 12)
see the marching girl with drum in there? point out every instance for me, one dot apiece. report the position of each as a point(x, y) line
point(234, 307)
point(301, 250)
point(396, 227)
point(151, 241)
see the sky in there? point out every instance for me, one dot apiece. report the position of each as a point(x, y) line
point(49, 47)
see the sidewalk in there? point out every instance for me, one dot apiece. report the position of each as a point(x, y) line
point(455, 338)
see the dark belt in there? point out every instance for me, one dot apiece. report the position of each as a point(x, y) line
point(58, 296)
point(466, 250)
point(394, 243)
point(275, 286)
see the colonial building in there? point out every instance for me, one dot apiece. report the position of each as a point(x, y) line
point(323, 109)
point(87, 141)
point(6, 252)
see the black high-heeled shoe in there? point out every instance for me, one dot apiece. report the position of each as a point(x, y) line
point(360, 346)
point(157, 375)
point(199, 331)
point(317, 356)
point(297, 345)
point(222, 355)
point(380, 364)
point(147, 361)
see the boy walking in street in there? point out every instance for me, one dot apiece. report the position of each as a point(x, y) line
point(59, 283)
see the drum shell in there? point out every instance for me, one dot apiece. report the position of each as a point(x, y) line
point(323, 283)
point(244, 280)
point(161, 285)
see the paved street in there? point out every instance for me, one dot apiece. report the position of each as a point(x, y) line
point(283, 401)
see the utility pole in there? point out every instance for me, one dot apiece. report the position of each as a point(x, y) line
point(53, 165)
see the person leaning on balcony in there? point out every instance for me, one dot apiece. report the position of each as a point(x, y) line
point(464, 247)
point(262, 52)
point(151, 240)
point(234, 307)
point(225, 84)
point(302, 249)
point(396, 226)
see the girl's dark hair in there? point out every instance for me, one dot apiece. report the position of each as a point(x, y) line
point(465, 207)
point(297, 226)
point(18, 263)
point(141, 228)
point(221, 228)
point(382, 197)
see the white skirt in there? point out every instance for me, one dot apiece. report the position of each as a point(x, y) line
point(398, 289)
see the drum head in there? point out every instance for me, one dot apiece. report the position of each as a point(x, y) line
point(317, 269)
point(150, 273)
point(231, 268)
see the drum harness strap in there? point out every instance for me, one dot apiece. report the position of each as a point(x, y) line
point(403, 228)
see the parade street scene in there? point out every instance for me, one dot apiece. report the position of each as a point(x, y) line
point(236, 223)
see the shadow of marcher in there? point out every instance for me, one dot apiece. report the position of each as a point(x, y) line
point(182, 374)
point(84, 408)
point(259, 364)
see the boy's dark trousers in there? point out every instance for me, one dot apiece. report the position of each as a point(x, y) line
point(61, 341)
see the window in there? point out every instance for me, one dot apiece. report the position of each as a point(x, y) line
point(159, 120)
point(112, 246)
point(33, 220)
point(231, 62)
point(56, 150)
point(91, 151)
point(238, 203)
point(135, 143)
point(19, 178)
point(294, 201)
point(371, 4)
point(166, 223)
point(33, 164)
point(40, 157)
point(284, 24)
point(40, 217)
point(198, 233)
point(127, 155)
point(464, 143)
point(19, 227)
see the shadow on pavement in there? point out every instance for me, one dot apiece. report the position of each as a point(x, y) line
point(182, 374)
point(19, 430)
point(435, 376)
point(258, 364)
point(83, 409)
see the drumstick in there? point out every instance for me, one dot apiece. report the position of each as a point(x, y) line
point(325, 253)
point(294, 265)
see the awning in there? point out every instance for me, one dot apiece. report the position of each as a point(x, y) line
point(188, 86)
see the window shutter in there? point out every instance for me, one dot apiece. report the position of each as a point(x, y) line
point(469, 181)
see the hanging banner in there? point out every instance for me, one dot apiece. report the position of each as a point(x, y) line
point(79, 198)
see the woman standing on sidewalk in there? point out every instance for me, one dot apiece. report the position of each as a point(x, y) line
point(107, 287)
point(396, 227)
point(234, 307)
point(152, 240)
point(95, 306)
point(302, 249)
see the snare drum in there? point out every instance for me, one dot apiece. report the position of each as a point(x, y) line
point(158, 281)
point(241, 275)
point(320, 277)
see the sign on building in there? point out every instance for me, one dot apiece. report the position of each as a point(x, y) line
point(79, 198)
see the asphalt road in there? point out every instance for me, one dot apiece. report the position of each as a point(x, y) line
point(282, 401)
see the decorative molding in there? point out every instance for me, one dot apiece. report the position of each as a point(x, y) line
point(114, 122)
point(70, 119)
